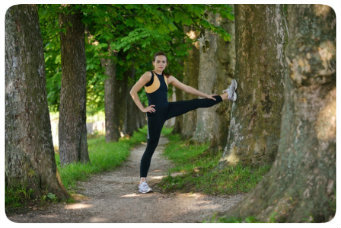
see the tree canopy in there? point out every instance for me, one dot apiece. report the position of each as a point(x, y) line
point(130, 35)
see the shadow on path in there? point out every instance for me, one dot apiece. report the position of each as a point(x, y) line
point(113, 197)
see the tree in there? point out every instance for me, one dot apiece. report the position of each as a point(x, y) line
point(30, 160)
point(111, 124)
point(191, 72)
point(134, 33)
point(131, 117)
point(226, 57)
point(73, 145)
point(301, 185)
point(256, 115)
point(214, 63)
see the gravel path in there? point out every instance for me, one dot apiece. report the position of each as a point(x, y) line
point(113, 197)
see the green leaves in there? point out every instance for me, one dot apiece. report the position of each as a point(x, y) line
point(134, 31)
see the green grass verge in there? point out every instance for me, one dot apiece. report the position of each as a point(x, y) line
point(200, 173)
point(103, 157)
point(217, 219)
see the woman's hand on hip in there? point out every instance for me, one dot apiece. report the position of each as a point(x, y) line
point(149, 109)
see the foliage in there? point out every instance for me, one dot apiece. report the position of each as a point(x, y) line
point(199, 172)
point(222, 219)
point(127, 34)
point(17, 198)
point(49, 29)
point(103, 156)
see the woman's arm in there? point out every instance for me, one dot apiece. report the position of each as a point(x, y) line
point(188, 89)
point(145, 78)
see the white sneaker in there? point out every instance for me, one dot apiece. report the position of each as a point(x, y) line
point(144, 188)
point(232, 95)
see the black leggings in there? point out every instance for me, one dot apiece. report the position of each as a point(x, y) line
point(158, 118)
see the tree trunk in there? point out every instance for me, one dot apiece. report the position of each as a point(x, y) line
point(30, 160)
point(191, 73)
point(141, 118)
point(211, 123)
point(130, 123)
point(256, 115)
point(73, 145)
point(121, 101)
point(111, 125)
point(226, 57)
point(301, 185)
point(171, 122)
point(179, 119)
point(207, 76)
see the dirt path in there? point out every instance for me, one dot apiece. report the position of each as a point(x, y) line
point(113, 197)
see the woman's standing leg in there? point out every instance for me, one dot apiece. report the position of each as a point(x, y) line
point(155, 124)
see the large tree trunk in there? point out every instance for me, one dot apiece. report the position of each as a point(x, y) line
point(301, 185)
point(256, 115)
point(130, 123)
point(226, 57)
point(73, 145)
point(111, 125)
point(30, 160)
point(206, 81)
point(191, 73)
point(211, 123)
point(121, 101)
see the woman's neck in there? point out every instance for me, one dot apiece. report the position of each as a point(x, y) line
point(158, 72)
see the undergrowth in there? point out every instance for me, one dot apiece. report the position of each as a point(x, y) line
point(199, 171)
point(103, 157)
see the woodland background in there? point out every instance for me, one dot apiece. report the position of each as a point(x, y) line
point(78, 60)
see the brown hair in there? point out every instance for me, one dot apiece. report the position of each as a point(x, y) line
point(163, 54)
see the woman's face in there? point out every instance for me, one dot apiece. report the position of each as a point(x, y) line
point(160, 63)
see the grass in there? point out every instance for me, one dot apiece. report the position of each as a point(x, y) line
point(200, 173)
point(218, 219)
point(103, 157)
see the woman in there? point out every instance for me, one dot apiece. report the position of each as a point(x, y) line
point(159, 110)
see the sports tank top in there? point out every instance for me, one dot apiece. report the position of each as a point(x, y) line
point(156, 90)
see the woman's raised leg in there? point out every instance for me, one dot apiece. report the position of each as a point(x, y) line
point(180, 107)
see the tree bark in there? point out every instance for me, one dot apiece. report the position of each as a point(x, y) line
point(301, 185)
point(204, 130)
point(191, 73)
point(130, 118)
point(30, 159)
point(216, 59)
point(73, 145)
point(121, 100)
point(226, 58)
point(256, 115)
point(111, 124)
point(179, 119)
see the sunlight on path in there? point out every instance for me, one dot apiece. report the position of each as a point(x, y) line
point(113, 197)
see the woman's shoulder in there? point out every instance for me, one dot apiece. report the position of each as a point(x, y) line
point(171, 78)
point(147, 75)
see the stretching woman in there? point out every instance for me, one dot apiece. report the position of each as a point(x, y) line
point(159, 110)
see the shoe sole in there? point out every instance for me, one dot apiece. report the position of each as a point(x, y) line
point(232, 82)
point(146, 192)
